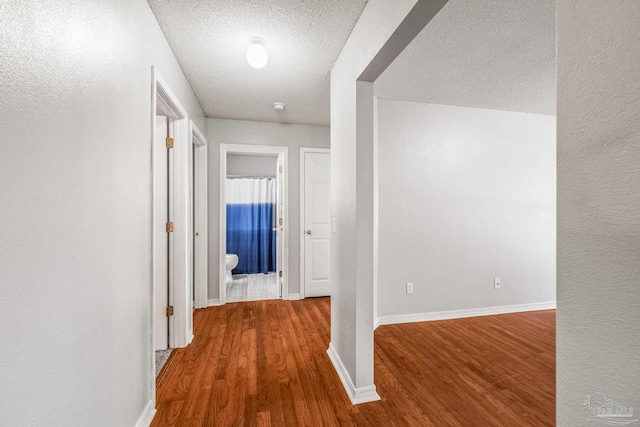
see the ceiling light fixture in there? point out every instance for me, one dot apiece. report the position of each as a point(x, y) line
point(256, 53)
point(279, 106)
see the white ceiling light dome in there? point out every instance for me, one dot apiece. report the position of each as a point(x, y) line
point(256, 53)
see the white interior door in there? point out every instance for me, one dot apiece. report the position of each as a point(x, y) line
point(161, 239)
point(317, 224)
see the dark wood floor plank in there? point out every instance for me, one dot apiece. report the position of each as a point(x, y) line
point(195, 408)
point(264, 363)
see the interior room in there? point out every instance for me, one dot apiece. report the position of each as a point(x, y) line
point(466, 141)
point(456, 231)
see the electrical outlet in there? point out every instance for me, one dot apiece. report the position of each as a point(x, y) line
point(409, 287)
point(496, 283)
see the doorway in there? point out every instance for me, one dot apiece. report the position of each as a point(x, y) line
point(254, 248)
point(171, 224)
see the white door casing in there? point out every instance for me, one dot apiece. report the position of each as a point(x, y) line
point(283, 231)
point(180, 240)
point(280, 215)
point(316, 224)
point(200, 227)
point(178, 192)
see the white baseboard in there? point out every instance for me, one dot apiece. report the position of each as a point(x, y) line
point(216, 302)
point(376, 323)
point(460, 314)
point(147, 415)
point(356, 395)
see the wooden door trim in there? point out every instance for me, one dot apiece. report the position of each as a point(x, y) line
point(303, 152)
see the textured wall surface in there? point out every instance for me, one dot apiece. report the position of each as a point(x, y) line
point(497, 54)
point(303, 39)
point(252, 165)
point(75, 99)
point(466, 195)
point(598, 205)
point(220, 131)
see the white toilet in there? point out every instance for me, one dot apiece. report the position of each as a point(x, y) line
point(231, 263)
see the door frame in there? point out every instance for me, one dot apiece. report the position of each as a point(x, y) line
point(226, 149)
point(163, 100)
point(200, 226)
point(303, 152)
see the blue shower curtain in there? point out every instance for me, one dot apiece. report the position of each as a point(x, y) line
point(251, 206)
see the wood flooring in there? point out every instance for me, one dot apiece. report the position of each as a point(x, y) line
point(264, 363)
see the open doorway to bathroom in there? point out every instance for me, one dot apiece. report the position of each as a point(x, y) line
point(252, 227)
point(253, 223)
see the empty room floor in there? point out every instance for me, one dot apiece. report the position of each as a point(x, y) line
point(264, 363)
point(253, 287)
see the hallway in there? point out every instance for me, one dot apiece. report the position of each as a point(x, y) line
point(264, 363)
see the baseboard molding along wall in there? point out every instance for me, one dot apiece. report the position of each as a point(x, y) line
point(147, 415)
point(216, 302)
point(460, 314)
point(356, 395)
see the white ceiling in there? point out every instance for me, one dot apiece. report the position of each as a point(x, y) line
point(303, 39)
point(497, 54)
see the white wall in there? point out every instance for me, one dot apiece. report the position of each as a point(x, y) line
point(352, 301)
point(220, 131)
point(598, 321)
point(75, 207)
point(465, 195)
point(252, 165)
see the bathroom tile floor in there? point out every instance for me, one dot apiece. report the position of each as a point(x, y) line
point(253, 287)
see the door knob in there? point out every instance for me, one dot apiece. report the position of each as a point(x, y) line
point(309, 232)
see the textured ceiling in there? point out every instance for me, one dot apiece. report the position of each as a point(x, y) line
point(497, 54)
point(303, 39)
